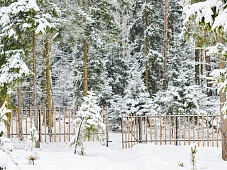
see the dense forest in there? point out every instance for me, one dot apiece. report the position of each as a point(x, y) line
point(136, 55)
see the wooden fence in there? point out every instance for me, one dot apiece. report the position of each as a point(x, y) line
point(162, 129)
point(63, 127)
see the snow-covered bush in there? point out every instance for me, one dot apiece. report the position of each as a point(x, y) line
point(31, 154)
point(3, 162)
point(3, 117)
point(5, 143)
point(89, 123)
point(33, 136)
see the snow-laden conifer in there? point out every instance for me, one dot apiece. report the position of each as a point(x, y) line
point(89, 123)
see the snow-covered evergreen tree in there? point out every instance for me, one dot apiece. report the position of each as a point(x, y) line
point(89, 123)
point(136, 100)
point(146, 39)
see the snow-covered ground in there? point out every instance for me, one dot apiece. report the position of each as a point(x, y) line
point(58, 156)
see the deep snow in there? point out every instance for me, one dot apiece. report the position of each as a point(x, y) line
point(58, 156)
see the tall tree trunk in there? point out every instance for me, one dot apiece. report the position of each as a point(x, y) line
point(146, 49)
point(37, 143)
point(221, 65)
point(201, 65)
point(20, 116)
point(8, 123)
point(47, 86)
point(165, 45)
point(85, 81)
point(153, 80)
point(197, 73)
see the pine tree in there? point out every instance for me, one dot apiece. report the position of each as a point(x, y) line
point(136, 100)
point(89, 123)
point(145, 39)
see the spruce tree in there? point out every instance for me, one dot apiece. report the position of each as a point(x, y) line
point(89, 123)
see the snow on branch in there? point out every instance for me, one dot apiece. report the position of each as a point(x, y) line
point(42, 23)
point(15, 68)
point(212, 13)
point(3, 111)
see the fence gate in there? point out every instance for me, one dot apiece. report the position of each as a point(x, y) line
point(63, 127)
point(162, 129)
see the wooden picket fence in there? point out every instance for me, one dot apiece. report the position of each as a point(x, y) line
point(162, 129)
point(63, 127)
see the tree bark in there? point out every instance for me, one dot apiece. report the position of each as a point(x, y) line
point(20, 116)
point(85, 81)
point(197, 56)
point(37, 143)
point(221, 65)
point(47, 86)
point(153, 80)
point(165, 46)
point(146, 49)
point(223, 121)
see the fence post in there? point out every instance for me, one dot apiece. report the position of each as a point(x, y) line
point(176, 130)
point(107, 124)
point(146, 127)
point(189, 126)
point(39, 124)
point(137, 126)
point(208, 138)
point(155, 129)
point(55, 125)
point(122, 130)
point(26, 121)
point(140, 130)
point(150, 128)
point(170, 134)
point(184, 130)
point(160, 124)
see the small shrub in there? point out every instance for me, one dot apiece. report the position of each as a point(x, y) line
point(181, 164)
point(193, 156)
point(32, 156)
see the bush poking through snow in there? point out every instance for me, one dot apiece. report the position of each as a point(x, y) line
point(193, 157)
point(181, 164)
point(3, 162)
point(89, 123)
point(33, 136)
point(3, 118)
point(5, 143)
point(32, 155)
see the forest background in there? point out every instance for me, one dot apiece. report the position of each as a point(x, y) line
point(54, 51)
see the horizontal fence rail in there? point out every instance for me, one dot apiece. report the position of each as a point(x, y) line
point(62, 128)
point(162, 129)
